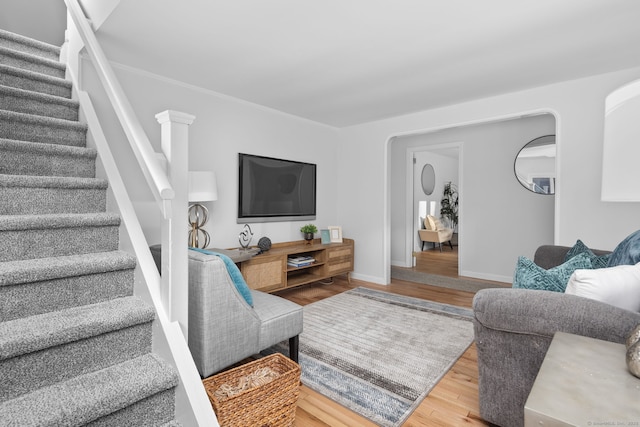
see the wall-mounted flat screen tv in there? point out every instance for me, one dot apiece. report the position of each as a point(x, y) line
point(275, 189)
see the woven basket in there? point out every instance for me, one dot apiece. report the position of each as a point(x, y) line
point(268, 405)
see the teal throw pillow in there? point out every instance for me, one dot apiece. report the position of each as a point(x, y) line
point(597, 261)
point(627, 252)
point(234, 273)
point(529, 275)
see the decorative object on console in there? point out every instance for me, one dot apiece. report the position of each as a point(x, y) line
point(325, 236)
point(264, 244)
point(245, 236)
point(309, 231)
point(202, 188)
point(335, 234)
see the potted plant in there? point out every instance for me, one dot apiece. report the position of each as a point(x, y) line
point(308, 230)
point(449, 204)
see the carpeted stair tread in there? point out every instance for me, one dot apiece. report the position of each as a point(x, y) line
point(43, 236)
point(34, 333)
point(34, 128)
point(34, 158)
point(33, 81)
point(29, 288)
point(29, 61)
point(34, 181)
point(40, 222)
point(29, 195)
point(29, 45)
point(92, 396)
point(42, 104)
point(27, 271)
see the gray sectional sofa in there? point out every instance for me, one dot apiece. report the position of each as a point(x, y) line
point(513, 330)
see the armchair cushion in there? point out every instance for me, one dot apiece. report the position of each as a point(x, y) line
point(281, 318)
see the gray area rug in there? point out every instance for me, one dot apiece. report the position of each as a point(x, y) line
point(460, 284)
point(380, 354)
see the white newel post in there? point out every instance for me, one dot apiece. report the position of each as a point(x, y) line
point(174, 127)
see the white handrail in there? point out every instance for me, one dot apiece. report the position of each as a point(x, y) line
point(142, 148)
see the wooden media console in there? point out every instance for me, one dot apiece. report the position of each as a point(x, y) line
point(270, 271)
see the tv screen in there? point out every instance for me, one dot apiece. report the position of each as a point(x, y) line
point(275, 189)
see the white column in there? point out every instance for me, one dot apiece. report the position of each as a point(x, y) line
point(175, 146)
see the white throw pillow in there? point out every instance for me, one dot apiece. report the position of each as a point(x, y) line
point(618, 286)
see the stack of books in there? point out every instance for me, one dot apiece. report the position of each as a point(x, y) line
point(300, 260)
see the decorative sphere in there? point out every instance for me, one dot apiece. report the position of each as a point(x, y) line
point(634, 336)
point(633, 359)
point(264, 244)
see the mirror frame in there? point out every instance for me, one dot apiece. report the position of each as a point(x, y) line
point(536, 142)
point(428, 179)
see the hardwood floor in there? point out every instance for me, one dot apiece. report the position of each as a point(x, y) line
point(452, 402)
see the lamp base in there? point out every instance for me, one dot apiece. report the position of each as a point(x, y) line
point(198, 215)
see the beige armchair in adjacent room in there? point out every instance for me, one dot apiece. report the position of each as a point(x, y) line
point(434, 232)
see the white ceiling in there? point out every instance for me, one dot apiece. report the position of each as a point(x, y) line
point(343, 62)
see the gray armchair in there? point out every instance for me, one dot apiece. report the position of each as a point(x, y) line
point(223, 328)
point(513, 330)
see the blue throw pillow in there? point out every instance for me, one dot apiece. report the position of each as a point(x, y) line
point(529, 275)
point(597, 261)
point(234, 272)
point(627, 252)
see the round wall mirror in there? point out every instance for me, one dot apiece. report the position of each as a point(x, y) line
point(428, 179)
point(535, 165)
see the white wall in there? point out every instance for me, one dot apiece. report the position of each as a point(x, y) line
point(223, 127)
point(578, 106)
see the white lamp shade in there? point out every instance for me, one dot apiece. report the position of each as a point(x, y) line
point(202, 186)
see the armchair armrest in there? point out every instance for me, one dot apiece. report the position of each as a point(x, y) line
point(513, 330)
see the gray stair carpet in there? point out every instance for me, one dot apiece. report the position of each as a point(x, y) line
point(75, 342)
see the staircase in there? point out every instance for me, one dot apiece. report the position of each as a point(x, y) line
point(75, 343)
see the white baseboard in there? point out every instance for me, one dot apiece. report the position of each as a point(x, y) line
point(372, 279)
point(485, 276)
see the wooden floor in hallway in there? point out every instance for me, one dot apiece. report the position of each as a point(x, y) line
point(452, 402)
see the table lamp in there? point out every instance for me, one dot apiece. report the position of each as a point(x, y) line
point(202, 188)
